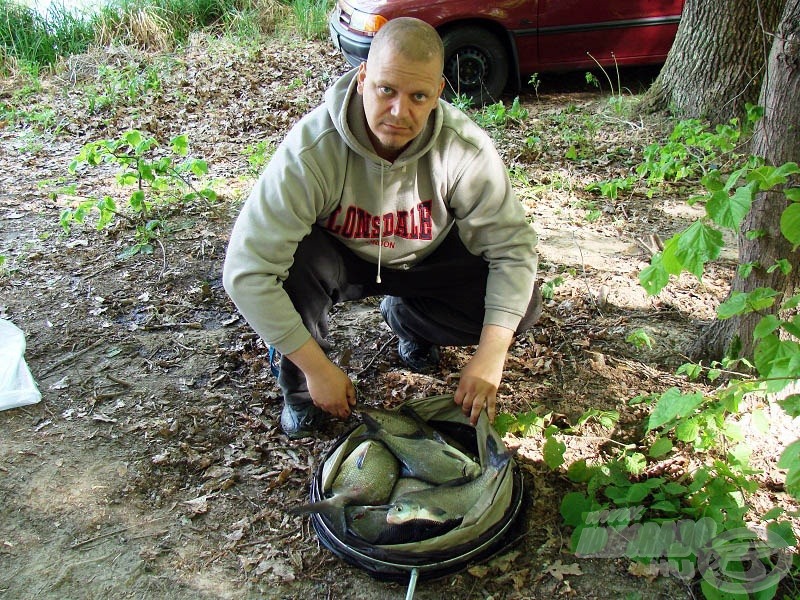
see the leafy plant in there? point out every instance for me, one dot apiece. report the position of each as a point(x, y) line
point(639, 338)
point(159, 179)
point(629, 504)
point(497, 115)
point(258, 155)
point(126, 85)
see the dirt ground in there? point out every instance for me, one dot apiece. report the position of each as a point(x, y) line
point(154, 466)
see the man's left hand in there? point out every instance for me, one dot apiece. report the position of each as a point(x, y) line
point(481, 376)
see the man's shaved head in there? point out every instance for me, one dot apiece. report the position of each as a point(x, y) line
point(411, 38)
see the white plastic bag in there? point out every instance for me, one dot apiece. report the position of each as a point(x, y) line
point(17, 387)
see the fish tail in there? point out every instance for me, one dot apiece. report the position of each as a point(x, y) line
point(332, 508)
point(328, 507)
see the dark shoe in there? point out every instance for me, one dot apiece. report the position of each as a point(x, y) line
point(301, 420)
point(420, 358)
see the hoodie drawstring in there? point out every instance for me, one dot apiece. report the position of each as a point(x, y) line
point(380, 234)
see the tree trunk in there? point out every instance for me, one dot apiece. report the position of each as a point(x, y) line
point(777, 140)
point(716, 64)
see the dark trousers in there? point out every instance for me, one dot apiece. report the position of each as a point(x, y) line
point(437, 301)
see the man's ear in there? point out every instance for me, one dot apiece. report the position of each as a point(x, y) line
point(441, 86)
point(361, 76)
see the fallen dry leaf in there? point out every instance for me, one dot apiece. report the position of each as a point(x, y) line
point(559, 570)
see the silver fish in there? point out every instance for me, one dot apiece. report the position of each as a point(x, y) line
point(424, 458)
point(447, 503)
point(366, 476)
point(402, 421)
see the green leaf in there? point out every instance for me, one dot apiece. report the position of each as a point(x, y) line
point(746, 302)
point(673, 404)
point(574, 507)
point(793, 194)
point(667, 506)
point(730, 211)
point(137, 201)
point(669, 256)
point(660, 447)
point(791, 404)
point(780, 535)
point(635, 463)
point(504, 423)
point(697, 245)
point(790, 223)
point(132, 138)
point(655, 277)
point(691, 370)
point(768, 176)
point(579, 471)
point(766, 326)
point(199, 167)
point(180, 144)
point(777, 360)
point(553, 452)
point(687, 431)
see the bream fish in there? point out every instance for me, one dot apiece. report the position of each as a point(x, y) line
point(431, 460)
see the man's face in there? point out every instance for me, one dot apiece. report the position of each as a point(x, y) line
point(398, 95)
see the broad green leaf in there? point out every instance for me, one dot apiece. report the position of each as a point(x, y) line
point(137, 201)
point(712, 181)
point(574, 507)
point(669, 256)
point(697, 245)
point(672, 405)
point(790, 224)
point(791, 404)
point(790, 459)
point(768, 176)
point(746, 302)
point(793, 194)
point(778, 361)
point(553, 452)
point(660, 447)
point(504, 423)
point(579, 471)
point(199, 167)
point(729, 211)
point(687, 431)
point(667, 506)
point(780, 535)
point(635, 463)
point(180, 144)
point(691, 370)
point(745, 269)
point(132, 138)
point(654, 278)
point(766, 326)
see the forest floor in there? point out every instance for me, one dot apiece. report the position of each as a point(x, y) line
point(154, 466)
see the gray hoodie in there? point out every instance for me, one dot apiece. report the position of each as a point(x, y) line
point(392, 214)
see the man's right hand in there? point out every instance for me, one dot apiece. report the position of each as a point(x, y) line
point(329, 386)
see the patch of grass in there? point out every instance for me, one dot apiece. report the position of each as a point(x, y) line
point(30, 41)
point(29, 38)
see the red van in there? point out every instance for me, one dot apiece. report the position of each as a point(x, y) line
point(491, 45)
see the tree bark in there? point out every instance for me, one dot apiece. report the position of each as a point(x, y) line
point(717, 61)
point(777, 141)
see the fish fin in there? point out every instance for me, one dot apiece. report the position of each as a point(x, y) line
point(361, 457)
